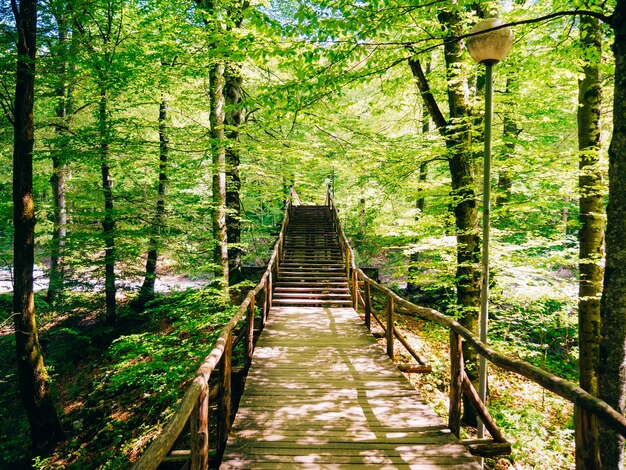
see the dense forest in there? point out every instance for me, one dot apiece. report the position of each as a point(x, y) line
point(150, 146)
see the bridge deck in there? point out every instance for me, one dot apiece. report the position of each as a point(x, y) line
point(321, 393)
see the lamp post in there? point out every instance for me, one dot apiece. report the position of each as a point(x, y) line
point(487, 48)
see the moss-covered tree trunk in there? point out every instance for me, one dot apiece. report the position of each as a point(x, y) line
point(33, 379)
point(612, 369)
point(218, 138)
point(233, 95)
point(456, 131)
point(591, 236)
point(147, 288)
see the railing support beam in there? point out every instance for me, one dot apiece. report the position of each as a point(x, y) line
point(456, 381)
point(368, 305)
point(390, 327)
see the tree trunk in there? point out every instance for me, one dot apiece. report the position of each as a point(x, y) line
point(591, 235)
point(420, 204)
point(457, 135)
point(32, 376)
point(461, 163)
point(510, 133)
point(59, 172)
point(108, 223)
point(220, 256)
point(233, 95)
point(612, 369)
point(147, 288)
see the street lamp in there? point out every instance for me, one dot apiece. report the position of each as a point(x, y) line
point(487, 48)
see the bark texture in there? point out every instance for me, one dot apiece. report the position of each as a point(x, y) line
point(220, 254)
point(32, 377)
point(147, 288)
point(233, 95)
point(591, 235)
point(612, 369)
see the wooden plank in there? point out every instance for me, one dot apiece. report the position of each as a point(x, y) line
point(321, 391)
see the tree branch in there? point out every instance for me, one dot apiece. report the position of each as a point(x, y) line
point(427, 95)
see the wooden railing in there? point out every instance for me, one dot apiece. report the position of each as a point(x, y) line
point(361, 288)
point(194, 406)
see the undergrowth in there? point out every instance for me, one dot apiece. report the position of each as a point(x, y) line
point(116, 385)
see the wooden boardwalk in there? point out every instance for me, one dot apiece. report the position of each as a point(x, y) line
point(322, 394)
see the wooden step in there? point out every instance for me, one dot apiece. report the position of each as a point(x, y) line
point(316, 295)
point(317, 260)
point(311, 289)
point(310, 284)
point(312, 278)
point(312, 269)
point(306, 265)
point(299, 302)
point(308, 273)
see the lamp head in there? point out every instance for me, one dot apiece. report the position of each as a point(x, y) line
point(490, 47)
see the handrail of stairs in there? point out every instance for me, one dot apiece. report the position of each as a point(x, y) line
point(459, 382)
point(194, 406)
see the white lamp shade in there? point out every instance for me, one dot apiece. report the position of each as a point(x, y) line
point(492, 46)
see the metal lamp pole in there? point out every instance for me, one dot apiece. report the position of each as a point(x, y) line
point(484, 297)
point(487, 48)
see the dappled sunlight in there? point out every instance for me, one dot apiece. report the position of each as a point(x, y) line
point(321, 393)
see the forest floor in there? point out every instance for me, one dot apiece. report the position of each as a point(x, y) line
point(113, 383)
point(537, 423)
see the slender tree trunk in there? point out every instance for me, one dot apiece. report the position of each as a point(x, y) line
point(510, 133)
point(216, 84)
point(59, 172)
point(108, 223)
point(420, 204)
point(32, 376)
point(591, 236)
point(612, 369)
point(233, 95)
point(147, 288)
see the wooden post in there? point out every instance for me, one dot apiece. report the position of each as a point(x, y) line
point(199, 428)
point(355, 290)
point(390, 327)
point(225, 395)
point(587, 449)
point(348, 263)
point(269, 292)
point(250, 331)
point(368, 305)
point(264, 306)
point(456, 380)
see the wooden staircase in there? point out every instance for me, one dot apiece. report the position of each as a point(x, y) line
point(312, 272)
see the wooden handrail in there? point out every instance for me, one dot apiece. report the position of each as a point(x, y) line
point(555, 384)
point(194, 406)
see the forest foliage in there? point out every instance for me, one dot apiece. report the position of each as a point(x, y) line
point(327, 93)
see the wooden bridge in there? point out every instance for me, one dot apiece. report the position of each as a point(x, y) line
point(320, 392)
